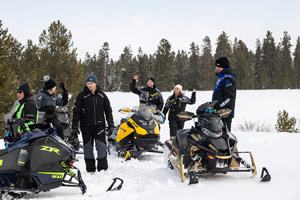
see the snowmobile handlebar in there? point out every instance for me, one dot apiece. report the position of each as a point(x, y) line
point(223, 113)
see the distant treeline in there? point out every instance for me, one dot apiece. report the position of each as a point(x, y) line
point(271, 66)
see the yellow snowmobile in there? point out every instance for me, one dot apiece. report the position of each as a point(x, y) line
point(208, 147)
point(138, 132)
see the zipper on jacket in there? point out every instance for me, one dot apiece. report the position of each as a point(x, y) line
point(95, 111)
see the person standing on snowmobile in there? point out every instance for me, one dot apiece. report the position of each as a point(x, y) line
point(46, 101)
point(176, 103)
point(149, 95)
point(26, 113)
point(225, 89)
point(90, 106)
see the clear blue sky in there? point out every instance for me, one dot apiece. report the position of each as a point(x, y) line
point(141, 23)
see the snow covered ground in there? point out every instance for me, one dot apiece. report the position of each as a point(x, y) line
point(149, 178)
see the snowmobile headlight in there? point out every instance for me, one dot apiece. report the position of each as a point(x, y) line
point(211, 133)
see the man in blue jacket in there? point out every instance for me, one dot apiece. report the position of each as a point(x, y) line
point(225, 90)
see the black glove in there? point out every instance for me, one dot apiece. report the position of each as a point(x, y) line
point(75, 132)
point(110, 130)
point(9, 138)
point(62, 86)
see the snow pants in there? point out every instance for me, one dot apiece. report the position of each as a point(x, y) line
point(227, 121)
point(175, 125)
point(91, 135)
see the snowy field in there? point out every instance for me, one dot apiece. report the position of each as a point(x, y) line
point(149, 178)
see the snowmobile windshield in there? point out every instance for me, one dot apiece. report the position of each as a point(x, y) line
point(211, 126)
point(146, 112)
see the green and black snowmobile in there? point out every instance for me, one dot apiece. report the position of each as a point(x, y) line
point(208, 147)
point(63, 118)
point(36, 161)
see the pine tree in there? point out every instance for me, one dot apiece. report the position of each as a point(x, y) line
point(270, 60)
point(102, 66)
point(30, 64)
point(8, 81)
point(223, 47)
point(164, 66)
point(125, 64)
point(207, 66)
point(286, 62)
point(142, 65)
point(194, 73)
point(242, 66)
point(60, 59)
point(296, 64)
point(181, 68)
point(258, 66)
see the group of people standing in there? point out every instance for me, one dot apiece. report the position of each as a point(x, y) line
point(92, 108)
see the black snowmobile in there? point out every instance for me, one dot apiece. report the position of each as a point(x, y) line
point(208, 147)
point(36, 161)
point(138, 132)
point(63, 118)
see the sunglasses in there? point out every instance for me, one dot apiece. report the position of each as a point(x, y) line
point(19, 91)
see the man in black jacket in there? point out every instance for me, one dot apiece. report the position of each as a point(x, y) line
point(177, 103)
point(149, 95)
point(225, 90)
point(90, 107)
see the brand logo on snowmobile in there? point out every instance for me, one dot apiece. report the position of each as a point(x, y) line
point(57, 176)
point(50, 149)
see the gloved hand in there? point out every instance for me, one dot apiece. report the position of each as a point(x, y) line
point(110, 130)
point(9, 138)
point(62, 86)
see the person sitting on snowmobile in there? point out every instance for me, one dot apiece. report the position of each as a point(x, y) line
point(46, 101)
point(26, 113)
point(149, 95)
point(176, 103)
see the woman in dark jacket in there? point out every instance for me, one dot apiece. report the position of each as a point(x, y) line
point(46, 101)
point(177, 103)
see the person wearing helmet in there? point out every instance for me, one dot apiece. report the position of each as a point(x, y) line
point(149, 95)
point(225, 89)
point(176, 103)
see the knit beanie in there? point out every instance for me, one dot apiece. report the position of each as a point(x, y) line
point(222, 62)
point(91, 78)
point(25, 88)
point(49, 83)
point(151, 78)
point(179, 87)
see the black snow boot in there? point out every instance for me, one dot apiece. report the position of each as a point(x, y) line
point(102, 164)
point(90, 165)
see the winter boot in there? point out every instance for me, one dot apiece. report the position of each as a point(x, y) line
point(102, 164)
point(90, 165)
